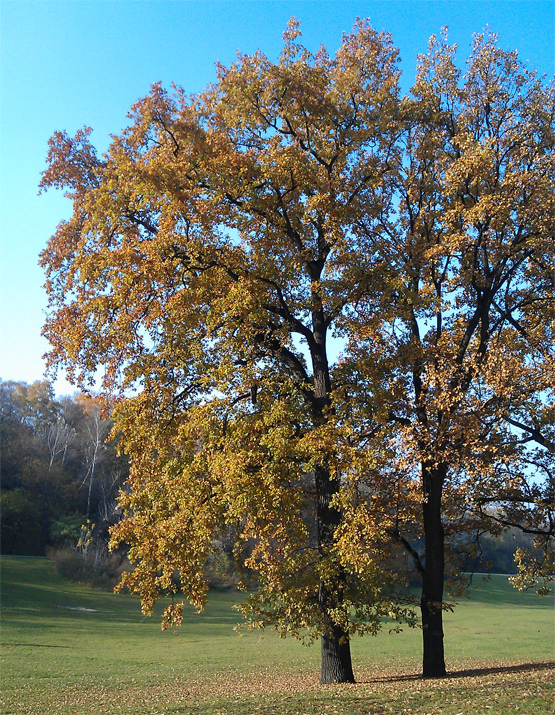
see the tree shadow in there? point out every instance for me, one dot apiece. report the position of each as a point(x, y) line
point(471, 672)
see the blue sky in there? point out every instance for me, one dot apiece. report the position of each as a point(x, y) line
point(67, 64)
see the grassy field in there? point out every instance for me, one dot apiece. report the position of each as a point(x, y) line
point(67, 649)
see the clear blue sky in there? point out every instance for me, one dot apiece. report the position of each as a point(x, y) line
point(67, 64)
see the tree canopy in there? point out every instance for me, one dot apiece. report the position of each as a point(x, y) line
point(229, 243)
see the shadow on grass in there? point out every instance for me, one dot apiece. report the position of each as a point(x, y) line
point(470, 673)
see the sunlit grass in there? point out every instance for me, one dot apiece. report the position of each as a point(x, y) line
point(72, 650)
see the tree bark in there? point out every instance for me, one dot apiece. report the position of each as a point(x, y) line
point(433, 661)
point(336, 665)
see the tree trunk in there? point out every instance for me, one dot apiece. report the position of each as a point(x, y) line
point(336, 666)
point(433, 661)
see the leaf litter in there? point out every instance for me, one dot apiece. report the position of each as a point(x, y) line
point(473, 689)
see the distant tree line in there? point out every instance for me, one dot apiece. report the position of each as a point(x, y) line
point(60, 471)
point(61, 474)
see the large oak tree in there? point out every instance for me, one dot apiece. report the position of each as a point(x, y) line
point(209, 256)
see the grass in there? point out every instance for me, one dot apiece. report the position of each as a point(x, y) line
point(67, 649)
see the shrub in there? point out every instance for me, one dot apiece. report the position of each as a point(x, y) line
point(89, 562)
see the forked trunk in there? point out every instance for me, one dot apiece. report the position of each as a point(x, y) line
point(433, 661)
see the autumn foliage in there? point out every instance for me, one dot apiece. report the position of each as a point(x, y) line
point(230, 245)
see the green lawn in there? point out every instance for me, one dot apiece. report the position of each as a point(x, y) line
point(72, 650)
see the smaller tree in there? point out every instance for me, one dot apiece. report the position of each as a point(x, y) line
point(461, 356)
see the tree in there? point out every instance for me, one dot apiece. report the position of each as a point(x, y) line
point(221, 244)
point(29, 491)
point(19, 448)
point(58, 438)
point(21, 522)
point(209, 256)
point(94, 436)
point(466, 338)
